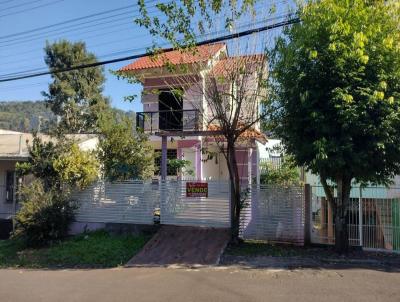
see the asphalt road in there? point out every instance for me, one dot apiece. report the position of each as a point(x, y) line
point(205, 284)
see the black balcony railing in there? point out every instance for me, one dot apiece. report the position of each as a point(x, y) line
point(168, 120)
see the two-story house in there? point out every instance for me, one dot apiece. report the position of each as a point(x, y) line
point(187, 116)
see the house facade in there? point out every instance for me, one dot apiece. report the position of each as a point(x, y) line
point(187, 116)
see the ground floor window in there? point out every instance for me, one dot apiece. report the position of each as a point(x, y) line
point(10, 179)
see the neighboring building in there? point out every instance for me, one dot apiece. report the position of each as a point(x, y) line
point(13, 149)
point(164, 111)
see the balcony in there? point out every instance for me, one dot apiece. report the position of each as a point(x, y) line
point(168, 120)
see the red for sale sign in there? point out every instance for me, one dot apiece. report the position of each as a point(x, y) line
point(196, 189)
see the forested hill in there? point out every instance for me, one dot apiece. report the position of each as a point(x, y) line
point(24, 116)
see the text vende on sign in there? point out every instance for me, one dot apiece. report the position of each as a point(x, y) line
point(196, 189)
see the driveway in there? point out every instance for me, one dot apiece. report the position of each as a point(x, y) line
point(204, 284)
point(183, 245)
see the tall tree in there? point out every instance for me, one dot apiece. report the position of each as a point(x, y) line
point(75, 96)
point(337, 95)
point(123, 152)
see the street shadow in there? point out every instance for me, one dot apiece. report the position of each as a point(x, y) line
point(256, 255)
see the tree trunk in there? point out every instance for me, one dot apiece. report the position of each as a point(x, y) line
point(235, 191)
point(342, 213)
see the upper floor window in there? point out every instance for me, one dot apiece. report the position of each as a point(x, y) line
point(170, 110)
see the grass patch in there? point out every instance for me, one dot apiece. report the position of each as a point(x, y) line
point(93, 249)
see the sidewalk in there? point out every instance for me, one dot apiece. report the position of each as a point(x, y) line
point(260, 254)
point(274, 262)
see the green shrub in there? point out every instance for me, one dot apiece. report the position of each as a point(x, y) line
point(124, 153)
point(77, 168)
point(284, 175)
point(60, 165)
point(45, 215)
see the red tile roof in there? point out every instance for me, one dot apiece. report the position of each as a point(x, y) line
point(247, 134)
point(228, 65)
point(175, 57)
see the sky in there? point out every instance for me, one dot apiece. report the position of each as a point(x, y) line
point(113, 35)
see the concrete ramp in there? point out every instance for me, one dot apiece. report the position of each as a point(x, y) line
point(184, 246)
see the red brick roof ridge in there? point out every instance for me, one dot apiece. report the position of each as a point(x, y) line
point(176, 57)
point(224, 65)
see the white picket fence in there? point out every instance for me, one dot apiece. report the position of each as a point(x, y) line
point(269, 213)
point(122, 202)
point(136, 202)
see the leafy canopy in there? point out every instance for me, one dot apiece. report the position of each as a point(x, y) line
point(182, 21)
point(124, 153)
point(336, 83)
point(60, 165)
point(75, 96)
point(77, 168)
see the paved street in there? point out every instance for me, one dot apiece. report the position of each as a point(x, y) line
point(205, 284)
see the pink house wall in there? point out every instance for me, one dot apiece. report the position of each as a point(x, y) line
point(247, 165)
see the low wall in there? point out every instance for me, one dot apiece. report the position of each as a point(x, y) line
point(114, 228)
point(80, 227)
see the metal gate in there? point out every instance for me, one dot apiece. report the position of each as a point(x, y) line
point(178, 209)
point(374, 218)
point(275, 213)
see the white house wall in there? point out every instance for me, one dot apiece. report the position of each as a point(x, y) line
point(89, 145)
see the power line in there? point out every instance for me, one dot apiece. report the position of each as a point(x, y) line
point(71, 28)
point(68, 31)
point(31, 8)
point(64, 29)
point(8, 1)
point(113, 41)
point(80, 18)
point(71, 21)
point(105, 33)
point(30, 58)
point(133, 57)
point(38, 35)
point(12, 88)
point(21, 71)
point(130, 50)
point(21, 4)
